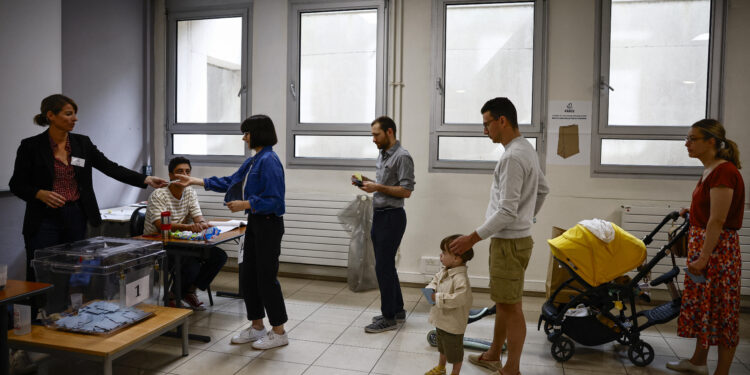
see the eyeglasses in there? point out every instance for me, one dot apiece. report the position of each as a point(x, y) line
point(690, 139)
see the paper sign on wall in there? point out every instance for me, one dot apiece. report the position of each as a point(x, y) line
point(137, 291)
point(569, 132)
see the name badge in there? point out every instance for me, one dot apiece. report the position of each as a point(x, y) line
point(78, 162)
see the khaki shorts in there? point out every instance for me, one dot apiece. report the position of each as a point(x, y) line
point(451, 345)
point(508, 261)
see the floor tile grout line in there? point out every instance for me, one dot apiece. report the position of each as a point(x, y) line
point(399, 330)
point(400, 327)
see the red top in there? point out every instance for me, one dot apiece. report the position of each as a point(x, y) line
point(64, 182)
point(726, 175)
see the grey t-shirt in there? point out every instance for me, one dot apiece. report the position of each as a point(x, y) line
point(395, 167)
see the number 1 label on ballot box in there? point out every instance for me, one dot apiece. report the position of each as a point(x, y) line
point(137, 291)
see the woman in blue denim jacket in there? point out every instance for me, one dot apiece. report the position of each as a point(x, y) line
point(260, 180)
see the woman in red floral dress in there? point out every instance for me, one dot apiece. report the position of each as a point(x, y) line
point(710, 309)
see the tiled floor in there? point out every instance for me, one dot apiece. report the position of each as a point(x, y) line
point(326, 336)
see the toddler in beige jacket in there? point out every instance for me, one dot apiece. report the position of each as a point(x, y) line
point(452, 299)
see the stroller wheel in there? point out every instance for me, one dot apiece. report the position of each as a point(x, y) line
point(432, 337)
point(641, 353)
point(562, 349)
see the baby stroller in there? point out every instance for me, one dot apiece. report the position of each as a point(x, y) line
point(593, 266)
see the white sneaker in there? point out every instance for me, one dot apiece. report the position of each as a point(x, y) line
point(685, 365)
point(248, 335)
point(271, 340)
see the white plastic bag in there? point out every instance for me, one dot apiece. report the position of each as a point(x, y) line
point(357, 220)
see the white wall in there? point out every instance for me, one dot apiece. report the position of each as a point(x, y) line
point(93, 53)
point(103, 70)
point(30, 69)
point(446, 203)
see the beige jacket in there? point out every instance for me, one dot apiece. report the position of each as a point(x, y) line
point(452, 300)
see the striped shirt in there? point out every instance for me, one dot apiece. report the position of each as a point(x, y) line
point(183, 210)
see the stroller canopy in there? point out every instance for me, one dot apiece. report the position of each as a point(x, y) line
point(594, 260)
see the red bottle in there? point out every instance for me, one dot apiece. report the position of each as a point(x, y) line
point(166, 225)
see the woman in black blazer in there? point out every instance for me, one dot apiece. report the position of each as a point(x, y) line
point(53, 175)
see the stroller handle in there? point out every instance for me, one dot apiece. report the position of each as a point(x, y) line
point(672, 216)
point(682, 230)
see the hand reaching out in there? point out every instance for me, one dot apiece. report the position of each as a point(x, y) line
point(155, 182)
point(185, 180)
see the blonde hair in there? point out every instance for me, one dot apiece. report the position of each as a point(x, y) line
point(725, 148)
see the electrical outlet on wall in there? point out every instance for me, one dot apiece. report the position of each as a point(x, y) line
point(429, 265)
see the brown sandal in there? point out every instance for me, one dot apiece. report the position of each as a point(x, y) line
point(488, 364)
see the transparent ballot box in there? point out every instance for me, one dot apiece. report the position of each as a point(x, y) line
point(117, 270)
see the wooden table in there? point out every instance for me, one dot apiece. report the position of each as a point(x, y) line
point(198, 249)
point(217, 240)
point(105, 349)
point(14, 290)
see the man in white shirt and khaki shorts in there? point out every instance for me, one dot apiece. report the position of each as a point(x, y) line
point(517, 193)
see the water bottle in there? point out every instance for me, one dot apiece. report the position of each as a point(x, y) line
point(166, 225)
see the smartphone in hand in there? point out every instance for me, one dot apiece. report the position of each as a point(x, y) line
point(698, 279)
point(357, 182)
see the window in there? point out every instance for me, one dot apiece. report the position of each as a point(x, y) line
point(336, 81)
point(207, 83)
point(660, 71)
point(484, 49)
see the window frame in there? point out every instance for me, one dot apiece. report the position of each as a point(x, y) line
point(294, 127)
point(438, 127)
point(172, 126)
point(601, 129)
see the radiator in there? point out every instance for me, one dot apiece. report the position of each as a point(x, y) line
point(640, 221)
point(313, 233)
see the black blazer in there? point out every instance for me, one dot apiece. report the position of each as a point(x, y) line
point(35, 170)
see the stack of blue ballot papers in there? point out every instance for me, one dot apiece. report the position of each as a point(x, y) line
point(101, 317)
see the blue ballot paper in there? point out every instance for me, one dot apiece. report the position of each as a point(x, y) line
point(101, 317)
point(698, 279)
point(428, 292)
point(83, 278)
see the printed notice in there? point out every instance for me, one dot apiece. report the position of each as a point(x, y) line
point(137, 291)
point(569, 132)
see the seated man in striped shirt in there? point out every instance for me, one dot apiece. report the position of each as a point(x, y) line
point(186, 215)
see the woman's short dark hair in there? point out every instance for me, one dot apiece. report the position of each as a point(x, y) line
point(501, 107)
point(385, 123)
point(261, 129)
point(177, 160)
point(54, 103)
